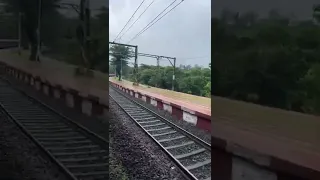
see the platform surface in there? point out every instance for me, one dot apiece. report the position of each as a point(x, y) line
point(58, 72)
point(199, 100)
point(285, 149)
point(301, 130)
point(195, 103)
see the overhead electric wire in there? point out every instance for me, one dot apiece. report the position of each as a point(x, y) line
point(137, 19)
point(147, 26)
point(129, 20)
point(152, 21)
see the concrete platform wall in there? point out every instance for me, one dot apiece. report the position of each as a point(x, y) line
point(198, 119)
point(233, 162)
point(86, 104)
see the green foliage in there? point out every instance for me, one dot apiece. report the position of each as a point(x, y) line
point(120, 55)
point(191, 80)
point(271, 61)
point(29, 10)
point(316, 12)
point(99, 45)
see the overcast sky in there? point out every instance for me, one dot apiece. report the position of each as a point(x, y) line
point(302, 9)
point(183, 33)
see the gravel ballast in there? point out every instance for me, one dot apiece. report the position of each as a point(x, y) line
point(133, 155)
point(20, 158)
point(204, 135)
point(99, 126)
point(142, 157)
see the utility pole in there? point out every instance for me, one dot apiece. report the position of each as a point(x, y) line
point(19, 31)
point(135, 60)
point(174, 72)
point(87, 27)
point(121, 70)
point(158, 62)
point(84, 15)
point(168, 58)
point(136, 67)
point(38, 30)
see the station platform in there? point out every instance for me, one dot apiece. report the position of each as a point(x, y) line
point(190, 108)
point(282, 144)
point(56, 78)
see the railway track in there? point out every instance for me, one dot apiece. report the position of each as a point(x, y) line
point(190, 153)
point(80, 153)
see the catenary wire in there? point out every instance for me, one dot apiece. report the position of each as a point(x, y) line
point(137, 19)
point(147, 27)
point(129, 20)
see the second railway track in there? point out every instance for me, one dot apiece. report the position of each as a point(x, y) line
point(80, 153)
point(190, 153)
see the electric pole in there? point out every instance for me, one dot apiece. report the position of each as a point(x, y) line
point(135, 69)
point(158, 62)
point(121, 74)
point(38, 30)
point(19, 31)
point(84, 16)
point(174, 72)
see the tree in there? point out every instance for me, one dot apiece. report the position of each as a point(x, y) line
point(29, 9)
point(192, 80)
point(120, 54)
point(272, 62)
point(99, 45)
point(207, 89)
point(316, 12)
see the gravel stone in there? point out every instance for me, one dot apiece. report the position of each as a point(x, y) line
point(176, 142)
point(20, 158)
point(201, 171)
point(185, 149)
point(135, 155)
point(156, 127)
point(99, 126)
point(117, 170)
point(196, 158)
point(202, 134)
point(161, 131)
point(149, 123)
point(142, 158)
point(169, 136)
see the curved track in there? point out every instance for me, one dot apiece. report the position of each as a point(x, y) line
point(80, 153)
point(190, 153)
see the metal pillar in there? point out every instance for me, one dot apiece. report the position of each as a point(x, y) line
point(174, 73)
point(87, 30)
point(173, 64)
point(19, 31)
point(158, 62)
point(121, 70)
point(136, 66)
point(38, 30)
point(83, 23)
point(135, 60)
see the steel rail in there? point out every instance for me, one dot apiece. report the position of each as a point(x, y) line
point(197, 140)
point(72, 127)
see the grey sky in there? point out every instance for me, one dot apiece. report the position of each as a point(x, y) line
point(94, 5)
point(184, 33)
point(302, 9)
